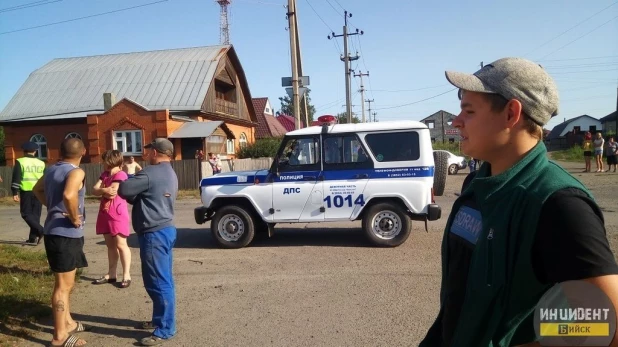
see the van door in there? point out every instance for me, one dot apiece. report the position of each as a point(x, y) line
point(295, 187)
point(347, 169)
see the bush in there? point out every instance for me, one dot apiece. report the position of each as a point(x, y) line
point(261, 148)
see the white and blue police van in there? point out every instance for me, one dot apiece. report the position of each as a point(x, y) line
point(385, 174)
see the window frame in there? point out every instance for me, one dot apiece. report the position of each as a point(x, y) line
point(42, 143)
point(242, 141)
point(367, 164)
point(316, 166)
point(122, 138)
point(78, 136)
point(368, 136)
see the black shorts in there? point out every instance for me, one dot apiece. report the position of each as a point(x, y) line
point(611, 160)
point(587, 153)
point(65, 254)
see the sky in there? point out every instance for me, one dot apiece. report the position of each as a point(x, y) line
point(406, 45)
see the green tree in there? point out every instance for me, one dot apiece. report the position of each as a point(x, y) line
point(288, 108)
point(342, 118)
point(261, 148)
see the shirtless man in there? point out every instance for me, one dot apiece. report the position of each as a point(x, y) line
point(131, 167)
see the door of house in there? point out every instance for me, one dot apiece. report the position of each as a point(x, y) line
point(189, 146)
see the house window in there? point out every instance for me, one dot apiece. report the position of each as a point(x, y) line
point(593, 129)
point(42, 142)
point(129, 142)
point(230, 146)
point(451, 140)
point(577, 130)
point(73, 135)
point(215, 144)
point(431, 124)
point(243, 140)
point(267, 110)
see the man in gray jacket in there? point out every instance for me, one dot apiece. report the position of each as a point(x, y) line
point(152, 192)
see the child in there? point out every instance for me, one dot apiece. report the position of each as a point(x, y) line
point(214, 163)
point(113, 219)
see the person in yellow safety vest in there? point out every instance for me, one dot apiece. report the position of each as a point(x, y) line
point(26, 173)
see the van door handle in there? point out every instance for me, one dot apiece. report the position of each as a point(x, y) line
point(361, 176)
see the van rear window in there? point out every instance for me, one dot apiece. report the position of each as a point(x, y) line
point(399, 146)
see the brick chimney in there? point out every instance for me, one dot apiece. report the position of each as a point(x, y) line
point(109, 99)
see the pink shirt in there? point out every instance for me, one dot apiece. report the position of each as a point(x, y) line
point(113, 213)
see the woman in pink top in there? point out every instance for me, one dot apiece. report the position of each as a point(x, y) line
point(113, 220)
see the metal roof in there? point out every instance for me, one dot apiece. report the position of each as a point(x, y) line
point(362, 127)
point(195, 129)
point(175, 79)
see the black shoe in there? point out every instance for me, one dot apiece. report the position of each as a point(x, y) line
point(38, 239)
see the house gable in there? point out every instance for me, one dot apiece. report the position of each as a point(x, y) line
point(584, 122)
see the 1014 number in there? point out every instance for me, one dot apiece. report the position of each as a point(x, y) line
point(339, 201)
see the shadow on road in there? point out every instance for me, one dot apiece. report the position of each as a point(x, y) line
point(326, 237)
point(283, 237)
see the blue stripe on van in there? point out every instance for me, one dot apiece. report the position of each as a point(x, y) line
point(304, 176)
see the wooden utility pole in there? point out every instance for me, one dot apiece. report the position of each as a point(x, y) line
point(293, 50)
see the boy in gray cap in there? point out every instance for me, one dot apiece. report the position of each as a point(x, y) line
point(522, 224)
point(152, 192)
point(26, 172)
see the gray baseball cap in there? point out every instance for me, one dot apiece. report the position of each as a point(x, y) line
point(162, 145)
point(514, 78)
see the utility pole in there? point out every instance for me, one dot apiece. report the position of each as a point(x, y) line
point(369, 102)
point(347, 58)
point(362, 91)
point(481, 65)
point(292, 25)
point(374, 116)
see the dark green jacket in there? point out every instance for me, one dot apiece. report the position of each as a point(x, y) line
point(502, 289)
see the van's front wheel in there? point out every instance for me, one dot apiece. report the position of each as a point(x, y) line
point(387, 225)
point(232, 227)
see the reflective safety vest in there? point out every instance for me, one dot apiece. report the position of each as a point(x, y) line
point(31, 170)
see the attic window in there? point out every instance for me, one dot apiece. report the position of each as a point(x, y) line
point(225, 91)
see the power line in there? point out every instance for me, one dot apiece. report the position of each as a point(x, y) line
point(573, 27)
point(586, 58)
point(80, 18)
point(28, 5)
point(596, 28)
point(415, 102)
point(328, 26)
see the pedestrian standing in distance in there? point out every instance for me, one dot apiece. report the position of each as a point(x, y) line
point(131, 167)
point(587, 147)
point(26, 172)
point(62, 191)
point(612, 152)
point(599, 144)
point(113, 219)
point(152, 192)
point(522, 223)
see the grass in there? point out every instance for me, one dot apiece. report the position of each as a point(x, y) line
point(574, 154)
point(26, 285)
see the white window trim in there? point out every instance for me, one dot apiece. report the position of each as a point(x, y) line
point(122, 139)
point(41, 141)
point(76, 135)
point(231, 146)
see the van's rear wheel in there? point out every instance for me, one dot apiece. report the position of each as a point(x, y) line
point(232, 227)
point(387, 225)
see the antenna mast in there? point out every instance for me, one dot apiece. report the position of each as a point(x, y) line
point(224, 36)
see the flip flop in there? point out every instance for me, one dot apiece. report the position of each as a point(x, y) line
point(80, 328)
point(71, 341)
point(125, 284)
point(104, 280)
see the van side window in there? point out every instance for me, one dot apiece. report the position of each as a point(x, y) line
point(300, 154)
point(395, 146)
point(345, 151)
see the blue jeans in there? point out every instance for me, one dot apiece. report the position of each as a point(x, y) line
point(155, 250)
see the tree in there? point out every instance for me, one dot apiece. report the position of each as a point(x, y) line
point(287, 107)
point(342, 118)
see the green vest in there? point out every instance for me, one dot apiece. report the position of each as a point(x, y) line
point(31, 170)
point(502, 289)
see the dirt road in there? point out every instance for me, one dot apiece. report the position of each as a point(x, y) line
point(309, 285)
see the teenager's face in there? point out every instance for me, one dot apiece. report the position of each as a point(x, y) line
point(482, 130)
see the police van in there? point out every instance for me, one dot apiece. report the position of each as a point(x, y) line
point(385, 174)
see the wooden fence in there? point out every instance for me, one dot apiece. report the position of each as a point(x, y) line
point(187, 171)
